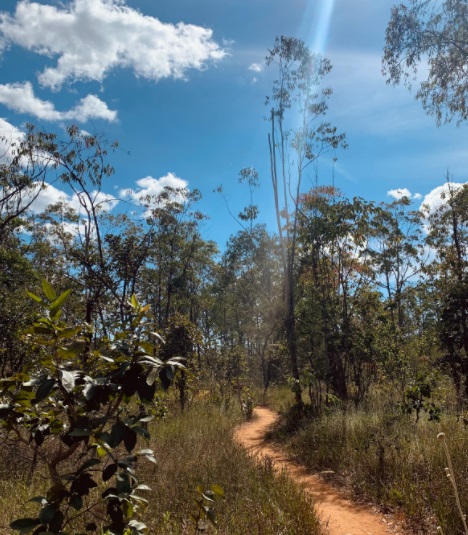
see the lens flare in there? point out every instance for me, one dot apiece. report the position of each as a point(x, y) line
point(315, 26)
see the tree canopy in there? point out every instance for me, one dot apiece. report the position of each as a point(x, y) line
point(424, 35)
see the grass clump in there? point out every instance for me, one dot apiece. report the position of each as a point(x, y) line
point(384, 456)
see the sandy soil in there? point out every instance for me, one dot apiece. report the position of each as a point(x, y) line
point(339, 515)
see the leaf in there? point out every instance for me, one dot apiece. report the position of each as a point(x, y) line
point(127, 508)
point(35, 298)
point(152, 376)
point(130, 439)
point(88, 464)
point(143, 487)
point(109, 471)
point(76, 502)
point(80, 433)
point(60, 300)
point(142, 432)
point(139, 526)
point(24, 525)
point(47, 514)
point(68, 380)
point(45, 388)
point(159, 337)
point(217, 490)
point(134, 301)
point(211, 515)
point(48, 290)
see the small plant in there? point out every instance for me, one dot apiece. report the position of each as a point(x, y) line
point(205, 502)
point(247, 404)
point(74, 407)
point(451, 477)
point(418, 399)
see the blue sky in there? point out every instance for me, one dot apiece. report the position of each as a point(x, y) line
point(180, 84)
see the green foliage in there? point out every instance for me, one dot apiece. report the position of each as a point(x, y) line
point(74, 403)
point(434, 34)
point(205, 503)
point(418, 398)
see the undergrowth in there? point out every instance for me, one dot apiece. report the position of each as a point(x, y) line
point(194, 448)
point(384, 456)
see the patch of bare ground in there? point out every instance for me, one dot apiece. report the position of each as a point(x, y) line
point(339, 514)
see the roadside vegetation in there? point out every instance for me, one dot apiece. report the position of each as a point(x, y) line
point(351, 320)
point(192, 449)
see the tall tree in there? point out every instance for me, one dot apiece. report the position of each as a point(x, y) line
point(292, 151)
point(448, 237)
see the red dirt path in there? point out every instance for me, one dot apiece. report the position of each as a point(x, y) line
point(338, 514)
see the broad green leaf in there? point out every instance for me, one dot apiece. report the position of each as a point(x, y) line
point(48, 290)
point(60, 299)
point(127, 508)
point(216, 489)
point(35, 298)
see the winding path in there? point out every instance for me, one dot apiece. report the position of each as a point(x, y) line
point(339, 515)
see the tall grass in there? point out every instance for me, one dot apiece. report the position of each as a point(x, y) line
point(384, 456)
point(197, 448)
point(193, 448)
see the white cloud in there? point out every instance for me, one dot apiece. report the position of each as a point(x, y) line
point(417, 196)
point(435, 198)
point(49, 195)
point(21, 98)
point(154, 186)
point(9, 137)
point(400, 193)
point(92, 37)
point(256, 67)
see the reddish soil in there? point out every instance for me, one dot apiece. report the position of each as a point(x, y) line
point(339, 515)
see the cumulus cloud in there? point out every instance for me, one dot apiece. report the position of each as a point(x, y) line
point(92, 37)
point(438, 196)
point(256, 67)
point(154, 186)
point(49, 195)
point(9, 137)
point(21, 98)
point(399, 193)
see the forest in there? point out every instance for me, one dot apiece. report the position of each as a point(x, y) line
point(131, 346)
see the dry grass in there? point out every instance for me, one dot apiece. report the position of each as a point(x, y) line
point(192, 449)
point(387, 458)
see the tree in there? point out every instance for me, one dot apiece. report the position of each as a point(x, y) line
point(334, 275)
point(436, 33)
point(300, 72)
point(448, 274)
point(23, 170)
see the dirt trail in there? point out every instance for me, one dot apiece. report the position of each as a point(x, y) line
point(338, 514)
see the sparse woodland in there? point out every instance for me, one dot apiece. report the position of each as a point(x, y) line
point(130, 346)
